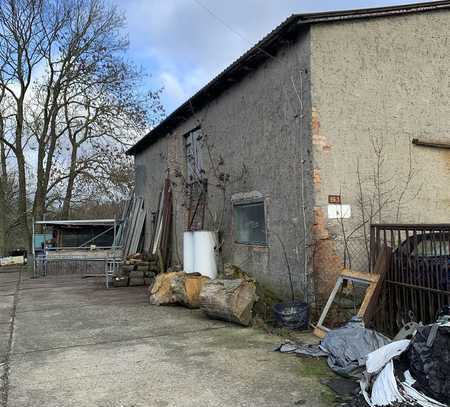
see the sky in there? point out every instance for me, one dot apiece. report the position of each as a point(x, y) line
point(183, 44)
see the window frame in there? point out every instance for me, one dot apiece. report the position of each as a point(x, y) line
point(245, 202)
point(191, 139)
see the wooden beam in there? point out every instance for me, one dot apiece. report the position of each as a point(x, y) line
point(433, 144)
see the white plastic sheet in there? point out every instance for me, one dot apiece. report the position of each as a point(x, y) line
point(379, 358)
point(199, 254)
point(188, 252)
point(386, 388)
point(204, 253)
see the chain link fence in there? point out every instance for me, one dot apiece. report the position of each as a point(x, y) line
point(354, 253)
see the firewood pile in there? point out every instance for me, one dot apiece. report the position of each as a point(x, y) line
point(137, 269)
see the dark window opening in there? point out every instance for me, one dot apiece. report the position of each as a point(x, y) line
point(250, 223)
point(193, 150)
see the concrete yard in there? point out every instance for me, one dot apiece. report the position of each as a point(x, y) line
point(65, 341)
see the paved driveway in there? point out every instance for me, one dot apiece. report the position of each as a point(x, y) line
point(70, 342)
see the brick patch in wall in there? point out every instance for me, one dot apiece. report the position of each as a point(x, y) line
point(327, 264)
point(317, 138)
point(316, 179)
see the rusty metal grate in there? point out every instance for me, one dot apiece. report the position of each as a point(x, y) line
point(417, 284)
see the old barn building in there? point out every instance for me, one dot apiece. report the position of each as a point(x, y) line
point(333, 121)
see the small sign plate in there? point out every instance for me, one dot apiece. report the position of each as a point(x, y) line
point(334, 199)
point(339, 211)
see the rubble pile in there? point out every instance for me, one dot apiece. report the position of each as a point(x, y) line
point(410, 372)
point(402, 372)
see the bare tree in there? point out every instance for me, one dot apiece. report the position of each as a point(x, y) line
point(8, 189)
point(74, 101)
point(20, 52)
point(380, 195)
point(86, 41)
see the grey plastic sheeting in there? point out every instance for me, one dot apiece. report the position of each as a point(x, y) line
point(301, 349)
point(349, 346)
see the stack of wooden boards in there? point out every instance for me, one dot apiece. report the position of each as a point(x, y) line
point(160, 242)
point(131, 230)
point(131, 237)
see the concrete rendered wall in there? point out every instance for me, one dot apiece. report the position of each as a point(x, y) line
point(255, 123)
point(379, 83)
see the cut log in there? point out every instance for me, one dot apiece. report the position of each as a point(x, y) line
point(229, 300)
point(161, 292)
point(177, 288)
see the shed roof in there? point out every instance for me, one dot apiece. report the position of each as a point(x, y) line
point(264, 50)
point(77, 222)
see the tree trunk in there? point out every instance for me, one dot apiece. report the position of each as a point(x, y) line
point(229, 300)
point(3, 195)
point(21, 172)
point(177, 288)
point(70, 182)
point(47, 146)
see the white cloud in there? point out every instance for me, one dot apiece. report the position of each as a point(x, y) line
point(184, 46)
point(173, 87)
point(178, 89)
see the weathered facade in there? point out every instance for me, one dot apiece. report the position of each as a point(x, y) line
point(322, 111)
point(377, 84)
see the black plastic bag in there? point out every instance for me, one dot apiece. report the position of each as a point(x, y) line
point(429, 359)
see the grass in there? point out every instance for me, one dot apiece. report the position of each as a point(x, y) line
point(314, 368)
point(317, 369)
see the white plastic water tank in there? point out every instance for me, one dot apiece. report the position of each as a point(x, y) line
point(205, 243)
point(188, 252)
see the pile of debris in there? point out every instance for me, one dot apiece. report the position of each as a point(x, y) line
point(229, 299)
point(402, 372)
point(410, 372)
